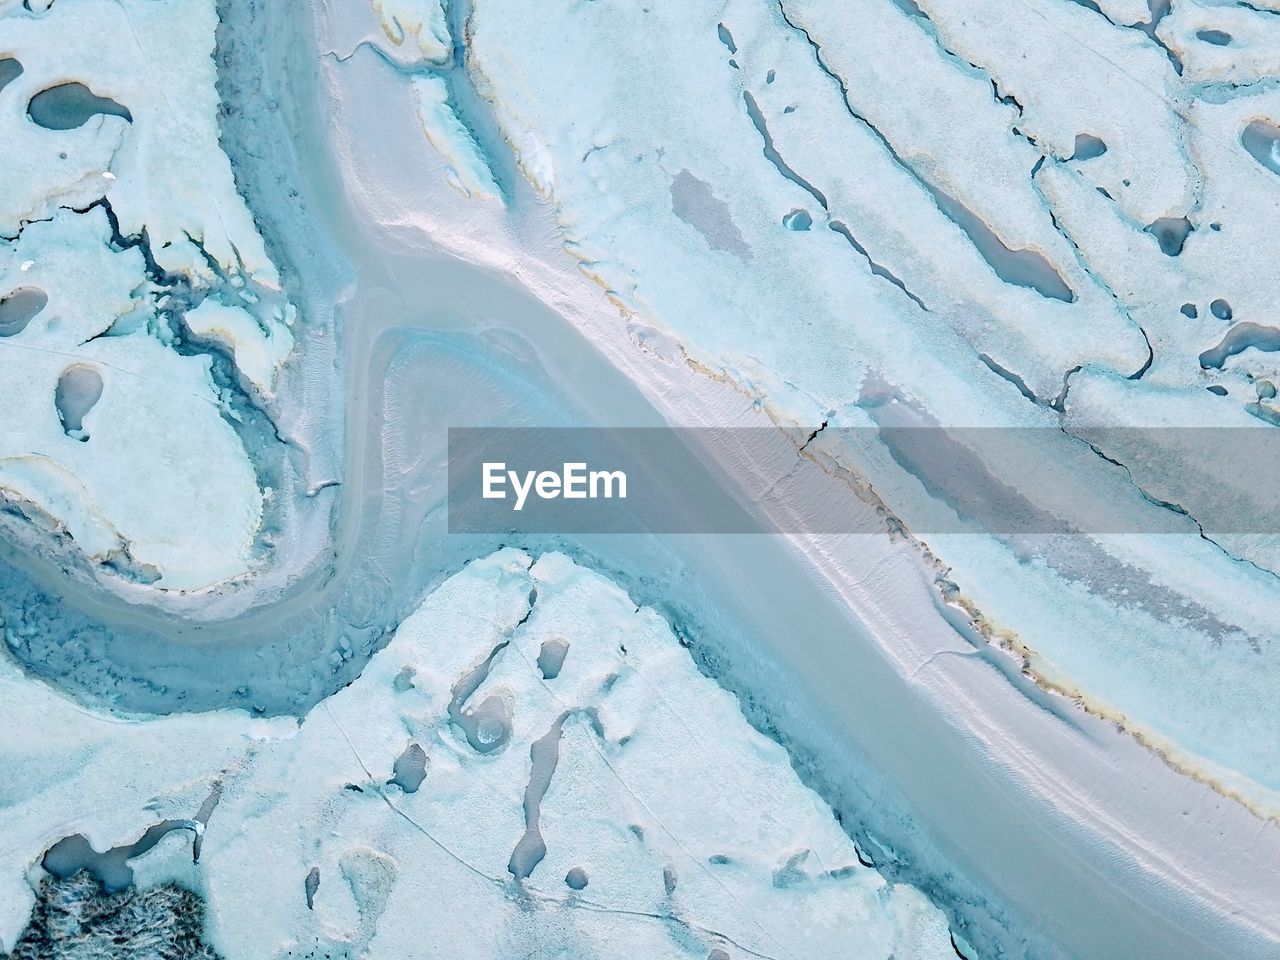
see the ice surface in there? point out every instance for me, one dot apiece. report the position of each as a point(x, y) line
point(1221, 44)
point(468, 170)
point(925, 286)
point(169, 175)
point(417, 29)
point(1117, 811)
point(150, 476)
point(122, 210)
point(663, 820)
point(258, 352)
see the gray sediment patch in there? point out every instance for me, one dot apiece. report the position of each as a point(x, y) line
point(694, 202)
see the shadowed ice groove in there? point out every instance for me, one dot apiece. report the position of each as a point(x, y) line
point(841, 228)
point(1262, 139)
point(771, 152)
point(1022, 268)
point(71, 105)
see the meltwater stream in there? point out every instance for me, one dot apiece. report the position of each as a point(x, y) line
point(431, 342)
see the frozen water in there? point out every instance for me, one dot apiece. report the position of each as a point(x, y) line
point(19, 307)
point(1239, 338)
point(1262, 139)
point(1088, 147)
point(551, 658)
point(78, 391)
point(416, 29)
point(71, 105)
point(10, 70)
point(634, 803)
point(126, 249)
point(113, 434)
point(1015, 236)
point(532, 742)
point(410, 769)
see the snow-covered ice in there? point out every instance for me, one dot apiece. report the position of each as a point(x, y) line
point(121, 210)
point(155, 483)
point(1048, 216)
point(1034, 215)
point(258, 353)
point(624, 800)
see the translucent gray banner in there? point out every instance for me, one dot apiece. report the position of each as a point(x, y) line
point(1008, 481)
